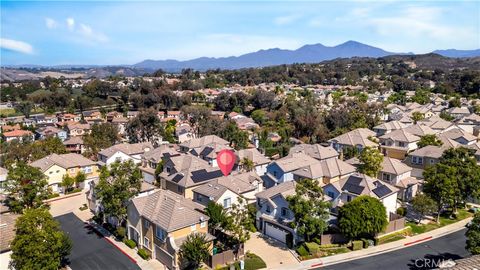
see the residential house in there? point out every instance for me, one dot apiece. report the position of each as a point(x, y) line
point(93, 116)
point(41, 119)
point(112, 115)
point(260, 161)
point(132, 114)
point(174, 115)
point(315, 151)
point(76, 129)
point(201, 142)
point(397, 144)
point(469, 122)
point(68, 117)
point(326, 171)
point(209, 152)
point(458, 113)
point(350, 187)
point(420, 130)
point(273, 216)
point(50, 131)
point(218, 114)
point(19, 135)
point(458, 135)
point(181, 174)
point(160, 223)
point(121, 124)
point(7, 128)
point(358, 138)
point(74, 145)
point(123, 152)
point(425, 156)
point(55, 167)
point(399, 175)
point(228, 189)
point(437, 124)
point(388, 127)
point(7, 230)
point(281, 170)
point(151, 160)
point(184, 132)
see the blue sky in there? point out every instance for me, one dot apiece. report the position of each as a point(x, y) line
point(127, 32)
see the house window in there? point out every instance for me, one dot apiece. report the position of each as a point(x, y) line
point(284, 212)
point(432, 161)
point(146, 223)
point(417, 160)
point(87, 169)
point(160, 233)
point(330, 194)
point(168, 169)
point(199, 197)
point(227, 203)
point(386, 177)
point(401, 144)
point(268, 210)
point(193, 227)
point(146, 242)
point(72, 170)
point(57, 171)
point(118, 159)
point(349, 198)
point(275, 173)
point(203, 224)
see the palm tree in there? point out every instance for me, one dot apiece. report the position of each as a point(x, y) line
point(247, 164)
point(194, 250)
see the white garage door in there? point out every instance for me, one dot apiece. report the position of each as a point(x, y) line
point(276, 232)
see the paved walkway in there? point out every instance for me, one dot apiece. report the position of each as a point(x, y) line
point(274, 253)
point(409, 241)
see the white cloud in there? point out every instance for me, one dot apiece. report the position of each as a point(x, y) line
point(71, 23)
point(87, 32)
point(288, 19)
point(16, 45)
point(50, 23)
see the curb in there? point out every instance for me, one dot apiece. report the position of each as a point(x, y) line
point(418, 241)
point(63, 197)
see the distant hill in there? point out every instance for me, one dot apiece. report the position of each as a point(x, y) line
point(458, 53)
point(306, 54)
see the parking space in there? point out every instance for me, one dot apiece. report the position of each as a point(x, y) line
point(92, 251)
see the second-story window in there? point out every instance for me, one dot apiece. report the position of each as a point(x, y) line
point(146, 223)
point(227, 203)
point(160, 233)
point(268, 209)
point(284, 212)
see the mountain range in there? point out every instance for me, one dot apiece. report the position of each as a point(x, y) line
point(306, 54)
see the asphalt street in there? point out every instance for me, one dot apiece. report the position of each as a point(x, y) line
point(91, 251)
point(418, 257)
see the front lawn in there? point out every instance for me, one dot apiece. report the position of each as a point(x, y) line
point(444, 221)
point(252, 262)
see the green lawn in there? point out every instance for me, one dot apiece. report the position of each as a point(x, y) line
point(444, 220)
point(11, 112)
point(252, 262)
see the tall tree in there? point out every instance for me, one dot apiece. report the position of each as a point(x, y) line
point(371, 161)
point(240, 223)
point(237, 138)
point(423, 205)
point(39, 242)
point(26, 187)
point(117, 186)
point(102, 136)
point(247, 164)
point(218, 216)
point(473, 235)
point(363, 216)
point(25, 107)
point(67, 182)
point(429, 139)
point(417, 116)
point(145, 127)
point(194, 250)
point(309, 208)
point(440, 186)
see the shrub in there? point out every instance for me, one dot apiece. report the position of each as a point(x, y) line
point(130, 243)
point(53, 195)
point(402, 211)
point(313, 248)
point(75, 190)
point(120, 233)
point(83, 207)
point(330, 246)
point(366, 243)
point(302, 251)
point(143, 253)
point(357, 245)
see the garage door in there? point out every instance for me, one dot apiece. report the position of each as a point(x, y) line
point(276, 232)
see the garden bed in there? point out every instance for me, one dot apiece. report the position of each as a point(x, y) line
point(444, 221)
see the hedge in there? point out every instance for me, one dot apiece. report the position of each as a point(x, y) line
point(312, 247)
point(143, 253)
point(357, 245)
point(130, 243)
point(302, 251)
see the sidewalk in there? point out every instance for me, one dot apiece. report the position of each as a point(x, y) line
point(353, 255)
point(151, 264)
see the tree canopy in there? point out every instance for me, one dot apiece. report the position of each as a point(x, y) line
point(371, 161)
point(473, 235)
point(194, 250)
point(102, 136)
point(429, 139)
point(145, 127)
point(363, 216)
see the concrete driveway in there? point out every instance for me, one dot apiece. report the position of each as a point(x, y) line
point(274, 253)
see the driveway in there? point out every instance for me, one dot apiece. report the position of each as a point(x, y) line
point(274, 253)
point(90, 250)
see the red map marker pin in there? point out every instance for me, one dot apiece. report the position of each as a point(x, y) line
point(226, 160)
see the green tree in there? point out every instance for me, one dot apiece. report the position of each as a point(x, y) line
point(455, 102)
point(25, 107)
point(309, 209)
point(440, 185)
point(240, 223)
point(423, 205)
point(80, 178)
point(169, 133)
point(429, 139)
point(117, 186)
point(39, 242)
point(371, 161)
point(473, 235)
point(364, 216)
point(417, 116)
point(259, 116)
point(194, 250)
point(102, 136)
point(145, 127)
point(67, 182)
point(26, 187)
point(422, 96)
point(446, 116)
point(247, 164)
point(237, 138)
point(218, 216)
point(158, 171)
